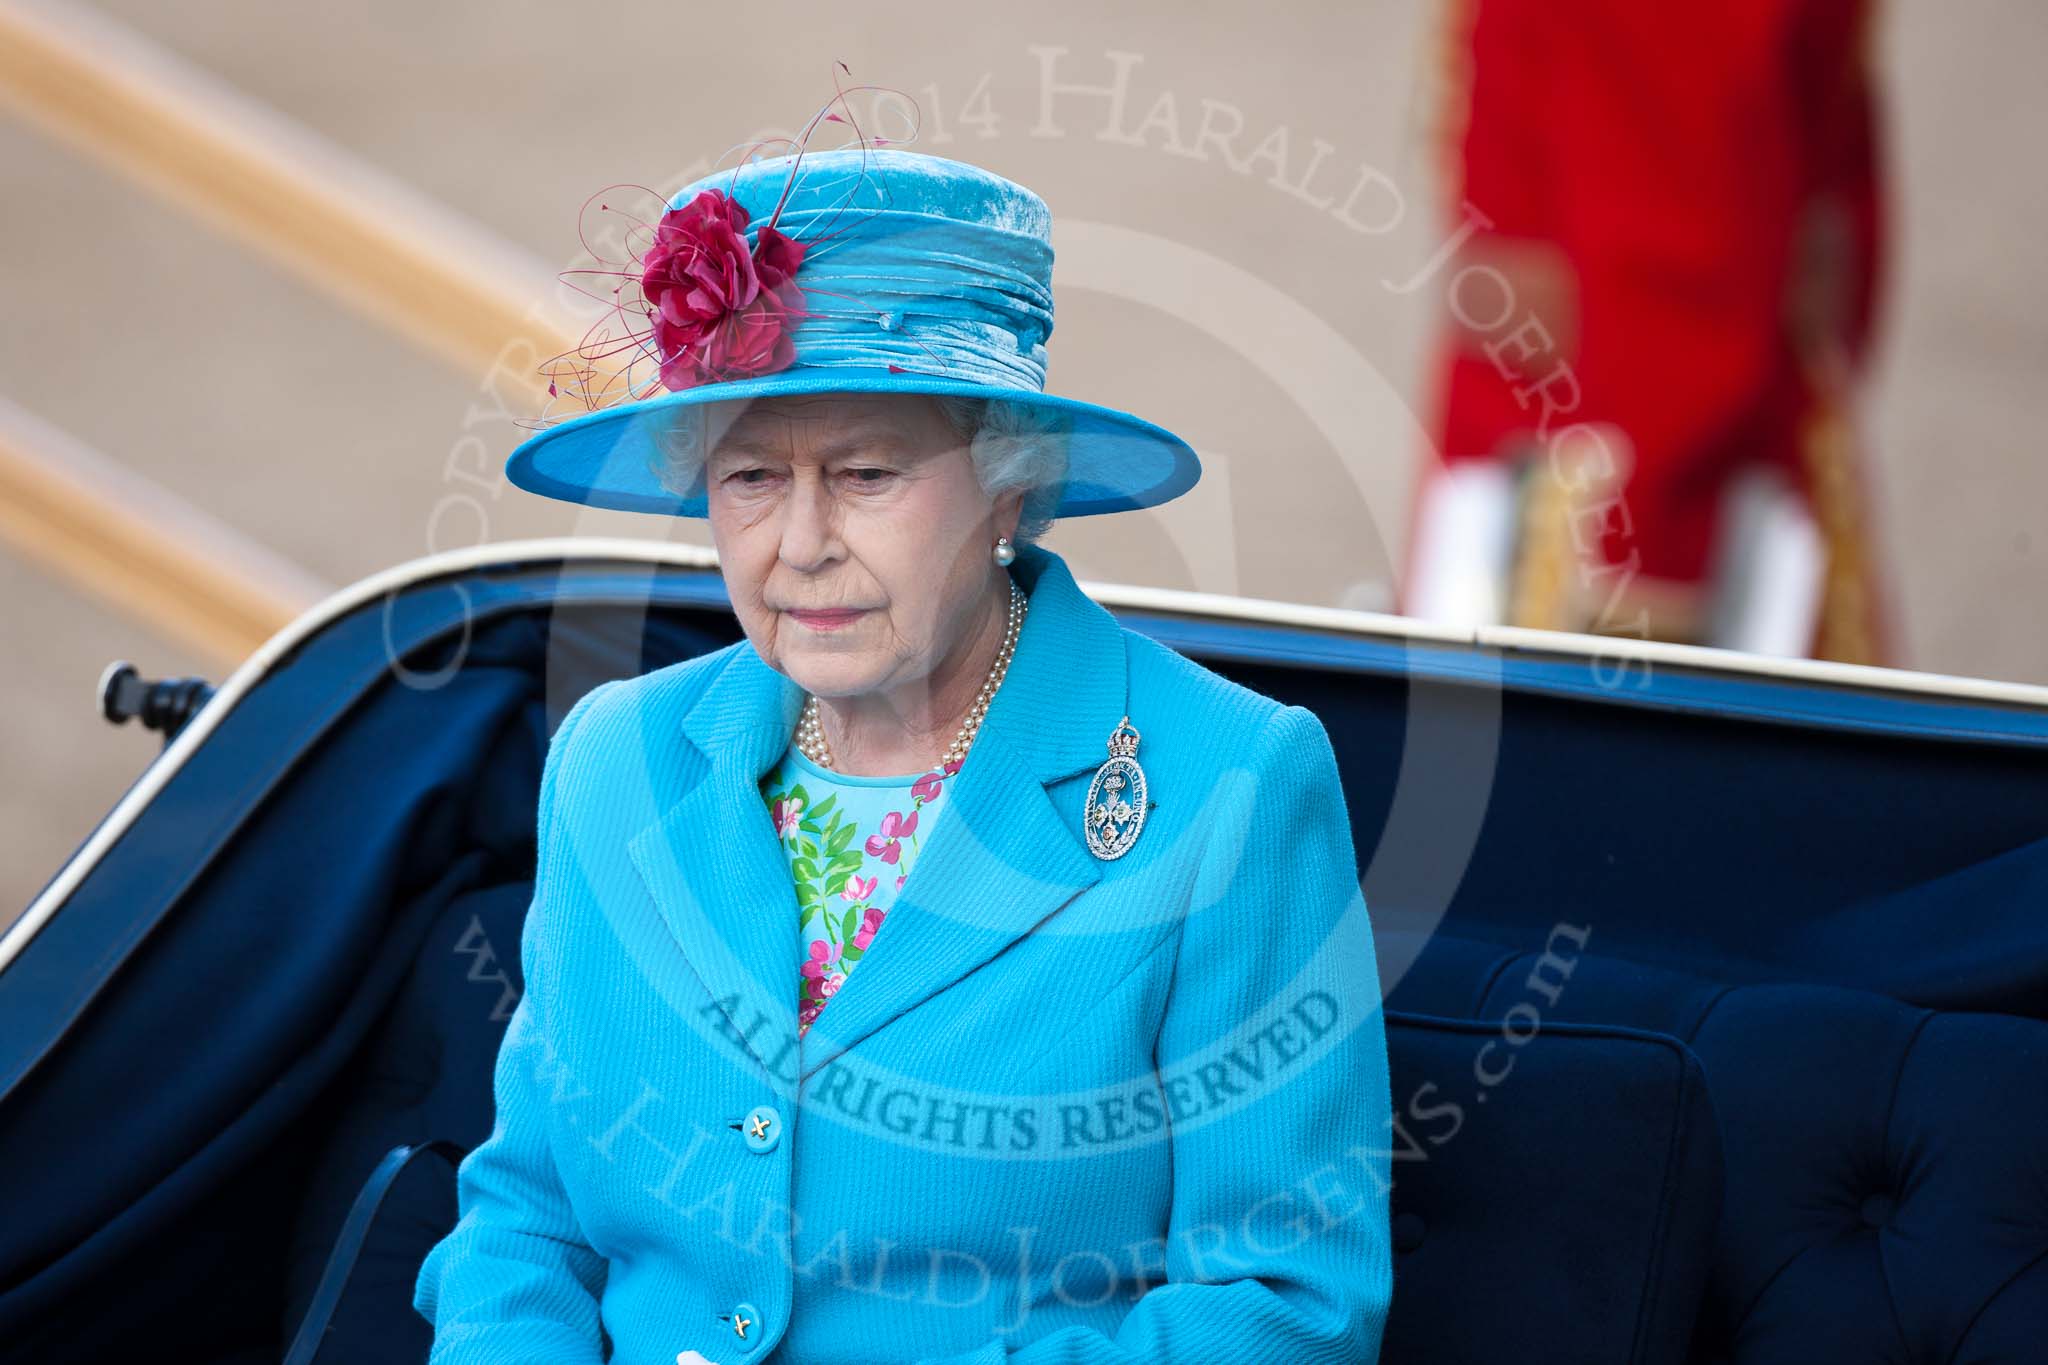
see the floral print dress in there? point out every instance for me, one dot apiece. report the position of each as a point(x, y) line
point(851, 842)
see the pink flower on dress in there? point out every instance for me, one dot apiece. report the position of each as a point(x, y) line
point(895, 826)
point(823, 955)
point(869, 923)
point(829, 987)
point(858, 889)
point(787, 812)
point(926, 788)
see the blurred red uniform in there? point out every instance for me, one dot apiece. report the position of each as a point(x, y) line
point(1686, 198)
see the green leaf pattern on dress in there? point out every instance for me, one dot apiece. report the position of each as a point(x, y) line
point(846, 866)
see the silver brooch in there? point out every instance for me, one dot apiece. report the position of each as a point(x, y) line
point(1115, 811)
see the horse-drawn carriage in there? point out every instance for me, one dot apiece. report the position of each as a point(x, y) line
point(1717, 985)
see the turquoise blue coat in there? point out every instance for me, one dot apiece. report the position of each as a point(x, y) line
point(1067, 1110)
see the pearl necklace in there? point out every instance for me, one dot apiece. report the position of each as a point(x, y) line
point(810, 731)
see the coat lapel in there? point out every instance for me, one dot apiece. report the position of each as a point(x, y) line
point(1001, 860)
point(712, 863)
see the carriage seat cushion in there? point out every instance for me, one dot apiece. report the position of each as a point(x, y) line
point(1555, 1197)
point(1570, 1222)
point(361, 1308)
point(1886, 1165)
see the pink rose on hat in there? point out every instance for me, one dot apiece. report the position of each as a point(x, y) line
point(720, 310)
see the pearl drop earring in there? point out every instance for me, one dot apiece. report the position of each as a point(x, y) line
point(1005, 553)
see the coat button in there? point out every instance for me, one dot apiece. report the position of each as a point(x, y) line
point(762, 1127)
point(746, 1325)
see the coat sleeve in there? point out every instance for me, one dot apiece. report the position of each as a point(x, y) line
point(1278, 1246)
point(514, 1283)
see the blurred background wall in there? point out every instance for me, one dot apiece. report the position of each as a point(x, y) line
point(1242, 193)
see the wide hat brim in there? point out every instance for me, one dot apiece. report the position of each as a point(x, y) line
point(1116, 462)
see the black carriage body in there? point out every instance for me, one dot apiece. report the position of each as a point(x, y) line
point(1718, 991)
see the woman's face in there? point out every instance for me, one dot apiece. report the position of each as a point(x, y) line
point(853, 535)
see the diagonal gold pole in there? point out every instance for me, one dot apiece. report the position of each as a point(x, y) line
point(141, 550)
point(370, 243)
point(366, 240)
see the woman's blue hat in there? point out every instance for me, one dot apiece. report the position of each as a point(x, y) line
point(917, 274)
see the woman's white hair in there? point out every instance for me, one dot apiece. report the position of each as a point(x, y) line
point(1013, 446)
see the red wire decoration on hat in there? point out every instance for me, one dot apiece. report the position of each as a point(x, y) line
point(692, 299)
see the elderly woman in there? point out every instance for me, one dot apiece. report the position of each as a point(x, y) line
point(1114, 1087)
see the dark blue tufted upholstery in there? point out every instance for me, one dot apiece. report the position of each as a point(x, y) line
point(1886, 1193)
point(1562, 1213)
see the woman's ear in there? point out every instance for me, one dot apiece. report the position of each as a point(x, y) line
point(1008, 511)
